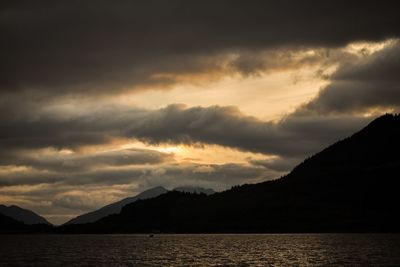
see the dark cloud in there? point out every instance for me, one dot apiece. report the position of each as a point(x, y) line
point(169, 175)
point(227, 126)
point(28, 178)
point(19, 166)
point(81, 46)
point(367, 83)
point(44, 129)
point(72, 163)
point(176, 124)
point(78, 46)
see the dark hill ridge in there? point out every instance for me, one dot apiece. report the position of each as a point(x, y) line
point(22, 215)
point(351, 186)
point(115, 208)
point(376, 144)
point(194, 189)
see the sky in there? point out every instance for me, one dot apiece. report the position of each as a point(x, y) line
point(101, 100)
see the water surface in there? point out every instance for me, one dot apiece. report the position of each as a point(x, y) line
point(201, 250)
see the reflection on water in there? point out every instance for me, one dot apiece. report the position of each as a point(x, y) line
point(201, 250)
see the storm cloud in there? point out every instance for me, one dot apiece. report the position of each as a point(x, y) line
point(85, 46)
point(177, 124)
point(363, 84)
point(77, 163)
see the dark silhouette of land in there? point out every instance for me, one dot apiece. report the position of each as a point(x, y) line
point(115, 208)
point(351, 186)
point(23, 215)
point(194, 189)
point(14, 219)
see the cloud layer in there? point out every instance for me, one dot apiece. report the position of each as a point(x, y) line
point(176, 124)
point(360, 85)
point(77, 46)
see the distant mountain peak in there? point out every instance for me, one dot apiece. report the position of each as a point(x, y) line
point(387, 120)
point(115, 208)
point(22, 215)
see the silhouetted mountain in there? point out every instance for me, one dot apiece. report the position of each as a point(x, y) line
point(116, 207)
point(194, 189)
point(22, 215)
point(351, 186)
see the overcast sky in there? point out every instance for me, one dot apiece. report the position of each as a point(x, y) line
point(100, 100)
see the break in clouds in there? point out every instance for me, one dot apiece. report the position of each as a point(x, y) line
point(62, 143)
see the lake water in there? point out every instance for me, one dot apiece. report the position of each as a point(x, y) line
point(201, 250)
